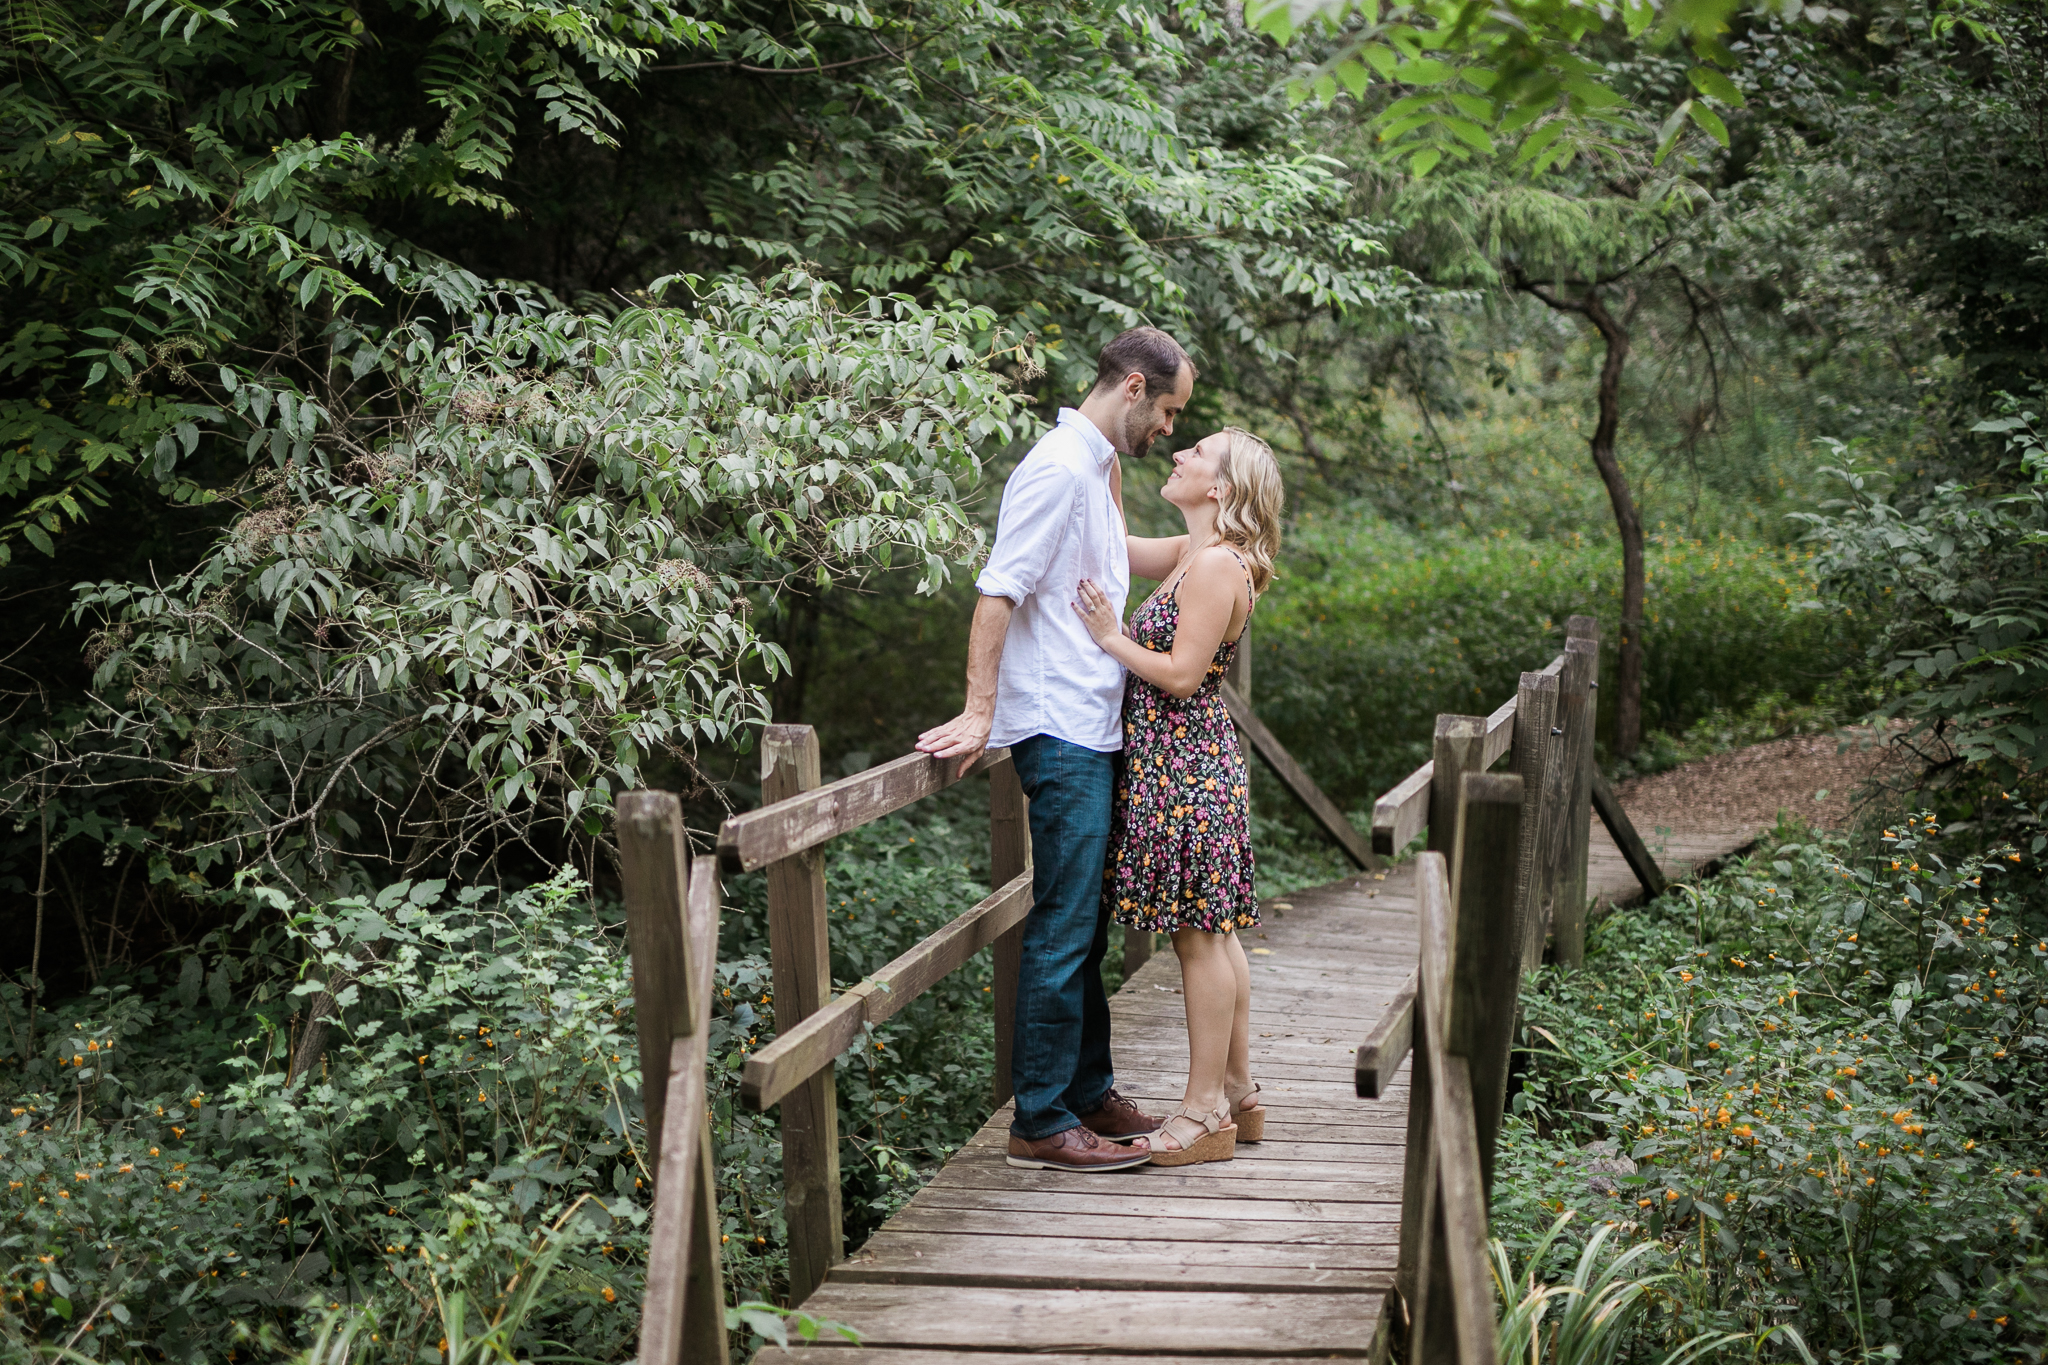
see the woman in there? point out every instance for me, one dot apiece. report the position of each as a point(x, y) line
point(1180, 857)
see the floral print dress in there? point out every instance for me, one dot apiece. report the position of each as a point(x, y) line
point(1180, 844)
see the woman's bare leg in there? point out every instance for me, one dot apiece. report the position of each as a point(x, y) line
point(1209, 991)
point(1237, 1073)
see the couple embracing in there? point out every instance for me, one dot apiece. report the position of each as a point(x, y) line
point(1139, 800)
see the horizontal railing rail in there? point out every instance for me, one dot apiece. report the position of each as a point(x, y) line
point(793, 1057)
point(789, 827)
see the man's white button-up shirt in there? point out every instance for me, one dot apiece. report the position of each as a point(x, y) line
point(1058, 525)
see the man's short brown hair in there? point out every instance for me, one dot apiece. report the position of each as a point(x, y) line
point(1142, 350)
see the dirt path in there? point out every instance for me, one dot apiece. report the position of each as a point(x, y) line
point(1812, 777)
point(1700, 813)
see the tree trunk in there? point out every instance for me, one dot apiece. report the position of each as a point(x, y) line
point(312, 1043)
point(1628, 707)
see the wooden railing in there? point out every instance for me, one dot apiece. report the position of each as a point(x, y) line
point(1506, 857)
point(672, 932)
point(672, 928)
point(1505, 868)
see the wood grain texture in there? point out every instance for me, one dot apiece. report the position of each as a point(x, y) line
point(683, 1314)
point(1560, 903)
point(1099, 1320)
point(1432, 884)
point(1355, 845)
point(654, 875)
point(1456, 749)
point(1581, 633)
point(1399, 815)
point(1386, 1044)
point(1538, 752)
point(1623, 832)
point(1499, 736)
point(794, 1057)
point(1009, 853)
point(820, 813)
point(1486, 953)
point(800, 953)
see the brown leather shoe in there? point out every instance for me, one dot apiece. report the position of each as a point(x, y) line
point(1119, 1120)
point(1076, 1149)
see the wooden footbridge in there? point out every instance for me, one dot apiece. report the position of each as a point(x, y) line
point(1356, 1228)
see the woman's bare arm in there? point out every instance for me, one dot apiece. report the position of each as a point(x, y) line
point(1209, 602)
point(1155, 558)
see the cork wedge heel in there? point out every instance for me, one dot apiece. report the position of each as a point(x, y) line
point(1251, 1122)
point(1202, 1137)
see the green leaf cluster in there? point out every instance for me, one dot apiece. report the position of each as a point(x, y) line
point(1814, 1087)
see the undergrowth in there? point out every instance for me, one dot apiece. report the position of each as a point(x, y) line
point(1814, 1087)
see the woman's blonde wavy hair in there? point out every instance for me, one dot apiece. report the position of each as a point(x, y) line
point(1248, 516)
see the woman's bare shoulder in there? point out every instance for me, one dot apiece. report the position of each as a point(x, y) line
point(1217, 568)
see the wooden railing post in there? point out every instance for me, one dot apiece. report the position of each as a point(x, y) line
point(672, 932)
point(1009, 853)
point(801, 954)
point(1568, 918)
point(1539, 752)
point(1457, 750)
point(1486, 969)
point(1452, 1306)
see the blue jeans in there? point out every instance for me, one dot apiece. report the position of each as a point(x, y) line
point(1060, 1063)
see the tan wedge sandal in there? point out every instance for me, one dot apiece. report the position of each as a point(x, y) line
point(1251, 1123)
point(1208, 1137)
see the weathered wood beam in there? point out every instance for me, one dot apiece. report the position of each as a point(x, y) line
point(781, 829)
point(1009, 855)
point(1305, 790)
point(682, 1320)
point(800, 955)
point(1401, 814)
point(1499, 736)
point(811, 1046)
point(1625, 837)
point(1387, 1042)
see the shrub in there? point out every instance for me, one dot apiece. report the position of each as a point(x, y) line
point(1373, 631)
point(1826, 1067)
point(169, 1192)
point(476, 1119)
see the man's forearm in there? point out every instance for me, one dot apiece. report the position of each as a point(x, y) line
point(985, 653)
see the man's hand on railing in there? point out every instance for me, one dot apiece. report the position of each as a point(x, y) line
point(964, 737)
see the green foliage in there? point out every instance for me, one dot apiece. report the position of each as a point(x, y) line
point(538, 584)
point(184, 188)
point(1467, 79)
point(1823, 1070)
point(1959, 576)
point(461, 1165)
point(1373, 631)
point(466, 1163)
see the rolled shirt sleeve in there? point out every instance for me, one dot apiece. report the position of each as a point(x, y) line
point(1038, 504)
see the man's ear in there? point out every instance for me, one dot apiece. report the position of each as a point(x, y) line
point(1134, 387)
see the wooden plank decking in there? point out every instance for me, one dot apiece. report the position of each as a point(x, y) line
point(1284, 1253)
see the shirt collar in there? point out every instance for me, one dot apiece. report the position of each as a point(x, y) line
point(1091, 435)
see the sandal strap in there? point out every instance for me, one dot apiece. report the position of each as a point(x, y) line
point(1205, 1124)
point(1238, 1097)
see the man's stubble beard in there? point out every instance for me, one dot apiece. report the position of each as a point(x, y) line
point(1140, 426)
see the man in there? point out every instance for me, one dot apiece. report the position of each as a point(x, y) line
point(1038, 683)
